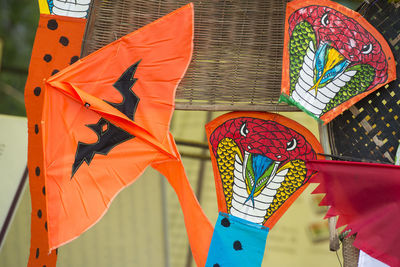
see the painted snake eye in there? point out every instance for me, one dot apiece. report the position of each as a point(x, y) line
point(243, 130)
point(366, 49)
point(325, 19)
point(291, 145)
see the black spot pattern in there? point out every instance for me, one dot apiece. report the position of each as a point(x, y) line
point(54, 72)
point(36, 129)
point(37, 91)
point(39, 214)
point(47, 58)
point(216, 265)
point(64, 41)
point(37, 171)
point(52, 25)
point(74, 59)
point(225, 222)
point(237, 245)
point(44, 190)
point(37, 253)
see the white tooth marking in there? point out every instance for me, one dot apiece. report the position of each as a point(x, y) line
point(331, 91)
point(344, 78)
point(306, 103)
point(71, 8)
point(308, 64)
point(245, 216)
point(237, 159)
point(306, 97)
point(306, 77)
point(350, 73)
point(249, 205)
point(244, 209)
point(311, 46)
point(338, 82)
point(304, 86)
point(279, 177)
point(273, 185)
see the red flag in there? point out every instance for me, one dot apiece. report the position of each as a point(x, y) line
point(366, 197)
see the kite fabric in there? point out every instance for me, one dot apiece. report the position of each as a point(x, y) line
point(366, 197)
point(236, 243)
point(57, 44)
point(68, 8)
point(259, 163)
point(106, 118)
point(364, 260)
point(332, 58)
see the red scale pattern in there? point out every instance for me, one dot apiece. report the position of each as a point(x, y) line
point(346, 35)
point(265, 137)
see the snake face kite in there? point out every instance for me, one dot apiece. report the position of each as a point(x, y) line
point(332, 58)
point(259, 163)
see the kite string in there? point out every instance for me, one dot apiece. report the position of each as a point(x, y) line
point(337, 255)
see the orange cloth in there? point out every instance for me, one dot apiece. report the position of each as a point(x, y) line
point(83, 169)
point(57, 44)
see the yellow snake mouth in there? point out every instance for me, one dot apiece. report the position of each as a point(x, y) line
point(256, 199)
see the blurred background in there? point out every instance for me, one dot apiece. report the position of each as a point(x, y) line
point(144, 225)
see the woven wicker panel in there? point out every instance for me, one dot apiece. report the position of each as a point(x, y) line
point(350, 253)
point(237, 55)
point(370, 130)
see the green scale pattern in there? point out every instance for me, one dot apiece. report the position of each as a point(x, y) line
point(302, 34)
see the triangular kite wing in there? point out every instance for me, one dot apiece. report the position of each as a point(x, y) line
point(332, 58)
point(106, 118)
point(366, 197)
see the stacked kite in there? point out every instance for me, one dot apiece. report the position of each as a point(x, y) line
point(333, 58)
point(106, 118)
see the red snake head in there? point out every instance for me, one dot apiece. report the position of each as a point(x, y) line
point(346, 35)
point(332, 58)
point(268, 138)
point(261, 163)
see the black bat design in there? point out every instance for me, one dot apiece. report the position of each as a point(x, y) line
point(124, 84)
point(109, 135)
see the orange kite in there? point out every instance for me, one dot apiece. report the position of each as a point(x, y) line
point(106, 118)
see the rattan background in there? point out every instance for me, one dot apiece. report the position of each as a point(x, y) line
point(350, 253)
point(237, 55)
point(370, 130)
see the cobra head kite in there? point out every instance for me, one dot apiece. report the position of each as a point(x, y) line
point(259, 170)
point(106, 118)
point(332, 58)
point(259, 163)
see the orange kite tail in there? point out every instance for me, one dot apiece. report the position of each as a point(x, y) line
point(198, 227)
